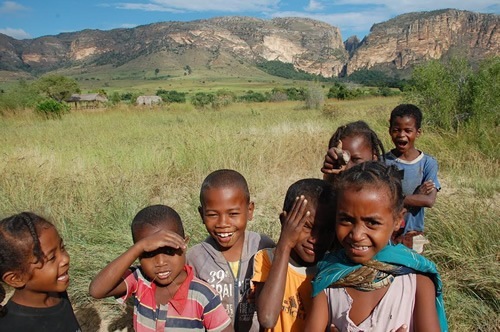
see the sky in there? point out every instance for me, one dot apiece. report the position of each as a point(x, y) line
point(25, 19)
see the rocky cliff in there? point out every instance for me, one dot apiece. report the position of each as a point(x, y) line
point(416, 37)
point(313, 46)
point(310, 45)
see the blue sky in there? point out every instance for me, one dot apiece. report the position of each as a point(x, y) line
point(34, 18)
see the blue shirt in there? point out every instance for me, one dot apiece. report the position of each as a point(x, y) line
point(415, 172)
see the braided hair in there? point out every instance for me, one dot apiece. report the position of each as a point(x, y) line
point(358, 128)
point(19, 241)
point(376, 174)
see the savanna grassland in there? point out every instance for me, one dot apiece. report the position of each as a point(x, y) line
point(91, 171)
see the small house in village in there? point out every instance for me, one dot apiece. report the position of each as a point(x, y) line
point(86, 101)
point(148, 100)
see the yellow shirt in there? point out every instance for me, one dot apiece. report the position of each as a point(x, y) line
point(297, 299)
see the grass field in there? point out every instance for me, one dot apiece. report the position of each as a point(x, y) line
point(90, 172)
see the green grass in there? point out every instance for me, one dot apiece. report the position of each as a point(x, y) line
point(90, 172)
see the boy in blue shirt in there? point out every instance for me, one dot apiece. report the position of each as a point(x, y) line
point(419, 173)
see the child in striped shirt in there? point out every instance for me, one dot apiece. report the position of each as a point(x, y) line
point(166, 294)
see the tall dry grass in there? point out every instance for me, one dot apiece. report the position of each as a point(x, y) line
point(90, 172)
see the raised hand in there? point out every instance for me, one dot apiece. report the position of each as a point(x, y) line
point(160, 239)
point(293, 222)
point(336, 160)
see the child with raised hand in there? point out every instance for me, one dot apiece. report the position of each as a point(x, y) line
point(420, 181)
point(283, 275)
point(225, 258)
point(34, 261)
point(369, 284)
point(167, 296)
point(351, 144)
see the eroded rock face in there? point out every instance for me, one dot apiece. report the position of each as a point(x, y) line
point(310, 45)
point(416, 37)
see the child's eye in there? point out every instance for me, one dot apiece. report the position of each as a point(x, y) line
point(234, 214)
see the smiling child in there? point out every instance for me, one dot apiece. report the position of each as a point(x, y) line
point(167, 296)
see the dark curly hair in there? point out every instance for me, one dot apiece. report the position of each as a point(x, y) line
point(407, 110)
point(376, 174)
point(19, 241)
point(358, 128)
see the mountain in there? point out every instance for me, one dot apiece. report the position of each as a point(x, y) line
point(225, 43)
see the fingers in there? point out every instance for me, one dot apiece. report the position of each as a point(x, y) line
point(333, 328)
point(403, 328)
point(162, 239)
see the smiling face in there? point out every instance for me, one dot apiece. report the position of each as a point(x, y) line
point(225, 212)
point(164, 265)
point(359, 149)
point(317, 235)
point(365, 221)
point(404, 131)
point(51, 275)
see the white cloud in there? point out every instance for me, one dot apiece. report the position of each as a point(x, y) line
point(314, 6)
point(355, 22)
point(203, 5)
point(406, 6)
point(9, 7)
point(15, 33)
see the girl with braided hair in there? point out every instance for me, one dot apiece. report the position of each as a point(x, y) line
point(370, 284)
point(351, 144)
point(34, 261)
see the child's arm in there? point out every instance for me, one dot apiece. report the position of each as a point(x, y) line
point(317, 318)
point(269, 305)
point(109, 281)
point(425, 316)
point(424, 196)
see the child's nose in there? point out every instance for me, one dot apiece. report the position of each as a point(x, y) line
point(223, 220)
point(357, 233)
point(64, 259)
point(160, 259)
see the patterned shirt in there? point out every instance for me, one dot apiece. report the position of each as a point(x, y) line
point(194, 307)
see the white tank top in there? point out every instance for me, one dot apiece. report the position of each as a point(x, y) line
point(393, 310)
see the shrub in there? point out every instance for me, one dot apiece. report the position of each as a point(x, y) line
point(315, 97)
point(50, 108)
point(201, 99)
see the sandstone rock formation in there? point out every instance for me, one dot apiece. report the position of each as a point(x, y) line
point(310, 45)
point(416, 37)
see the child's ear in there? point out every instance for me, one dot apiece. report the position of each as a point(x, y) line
point(186, 240)
point(282, 217)
point(419, 132)
point(251, 208)
point(399, 219)
point(14, 279)
point(200, 211)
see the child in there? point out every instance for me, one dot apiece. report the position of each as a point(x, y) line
point(225, 258)
point(167, 297)
point(283, 275)
point(35, 263)
point(370, 285)
point(420, 182)
point(357, 142)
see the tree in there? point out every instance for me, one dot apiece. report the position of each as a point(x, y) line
point(315, 98)
point(157, 71)
point(57, 87)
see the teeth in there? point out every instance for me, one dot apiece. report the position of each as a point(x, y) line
point(63, 277)
point(164, 274)
point(224, 234)
point(363, 248)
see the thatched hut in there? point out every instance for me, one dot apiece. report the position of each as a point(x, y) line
point(89, 100)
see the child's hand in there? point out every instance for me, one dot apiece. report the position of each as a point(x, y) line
point(336, 160)
point(425, 188)
point(293, 222)
point(162, 239)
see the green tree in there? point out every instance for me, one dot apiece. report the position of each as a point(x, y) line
point(57, 87)
point(50, 108)
point(157, 71)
